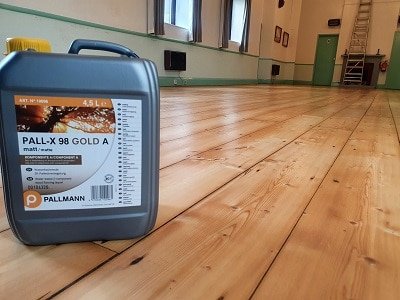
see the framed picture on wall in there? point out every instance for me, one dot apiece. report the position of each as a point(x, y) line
point(278, 34)
point(285, 40)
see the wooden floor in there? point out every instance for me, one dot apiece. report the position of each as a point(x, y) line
point(265, 192)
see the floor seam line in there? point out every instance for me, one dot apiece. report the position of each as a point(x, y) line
point(263, 128)
point(190, 207)
point(309, 202)
point(394, 121)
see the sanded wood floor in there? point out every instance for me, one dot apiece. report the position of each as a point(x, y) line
point(266, 192)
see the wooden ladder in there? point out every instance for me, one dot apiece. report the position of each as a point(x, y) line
point(354, 69)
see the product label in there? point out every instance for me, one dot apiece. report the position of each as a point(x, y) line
point(79, 153)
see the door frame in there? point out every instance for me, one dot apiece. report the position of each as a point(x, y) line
point(396, 35)
point(316, 49)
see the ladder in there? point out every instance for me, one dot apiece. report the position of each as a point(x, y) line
point(354, 69)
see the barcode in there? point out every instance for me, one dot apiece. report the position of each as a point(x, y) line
point(102, 192)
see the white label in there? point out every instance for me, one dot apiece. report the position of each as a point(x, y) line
point(79, 153)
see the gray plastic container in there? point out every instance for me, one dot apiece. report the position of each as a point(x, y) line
point(79, 144)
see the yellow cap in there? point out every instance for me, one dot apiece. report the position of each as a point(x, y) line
point(23, 44)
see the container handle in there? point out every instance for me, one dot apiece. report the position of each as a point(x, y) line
point(80, 44)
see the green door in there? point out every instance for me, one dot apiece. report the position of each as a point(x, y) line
point(393, 75)
point(325, 59)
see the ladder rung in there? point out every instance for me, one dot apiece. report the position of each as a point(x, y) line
point(358, 66)
point(352, 79)
point(359, 40)
point(349, 76)
point(360, 52)
point(361, 66)
point(353, 74)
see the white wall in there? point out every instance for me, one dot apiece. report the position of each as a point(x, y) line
point(211, 23)
point(314, 17)
point(257, 8)
point(271, 52)
point(202, 62)
point(313, 21)
point(303, 19)
point(132, 15)
point(383, 25)
point(125, 14)
point(288, 18)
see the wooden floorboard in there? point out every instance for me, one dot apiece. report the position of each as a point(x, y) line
point(257, 185)
point(46, 269)
point(247, 223)
point(241, 153)
point(3, 219)
point(394, 105)
point(346, 245)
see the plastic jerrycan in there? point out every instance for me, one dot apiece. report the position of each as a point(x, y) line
point(79, 144)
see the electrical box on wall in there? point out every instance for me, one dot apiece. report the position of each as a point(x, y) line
point(174, 60)
point(275, 70)
point(333, 22)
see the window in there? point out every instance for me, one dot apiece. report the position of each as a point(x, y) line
point(179, 13)
point(238, 16)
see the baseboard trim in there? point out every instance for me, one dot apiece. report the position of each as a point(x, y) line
point(302, 82)
point(275, 81)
